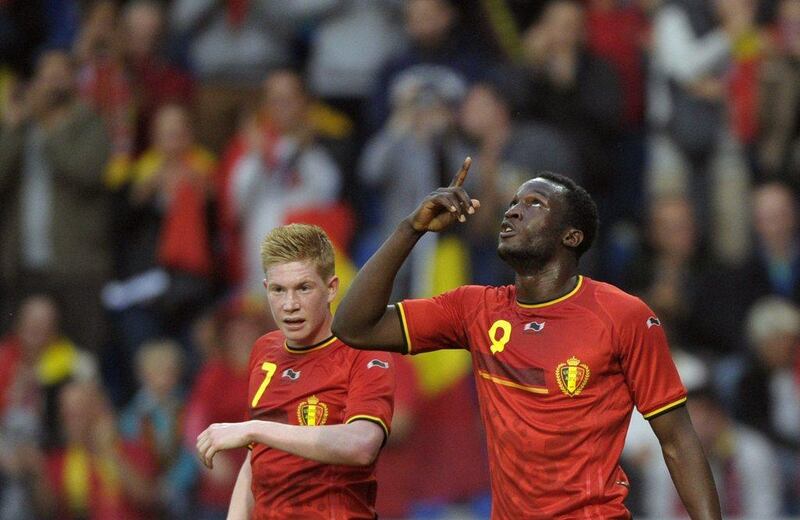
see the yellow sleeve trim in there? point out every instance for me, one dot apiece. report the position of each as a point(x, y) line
point(665, 408)
point(404, 324)
point(512, 384)
point(370, 418)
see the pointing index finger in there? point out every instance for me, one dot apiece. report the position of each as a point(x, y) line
point(458, 180)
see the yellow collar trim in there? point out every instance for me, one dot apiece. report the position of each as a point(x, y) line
point(557, 300)
point(318, 346)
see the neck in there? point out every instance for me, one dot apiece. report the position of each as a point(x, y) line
point(548, 283)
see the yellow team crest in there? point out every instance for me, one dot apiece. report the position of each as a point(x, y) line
point(572, 376)
point(312, 412)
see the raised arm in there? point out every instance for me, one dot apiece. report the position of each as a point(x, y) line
point(363, 319)
point(353, 444)
point(687, 464)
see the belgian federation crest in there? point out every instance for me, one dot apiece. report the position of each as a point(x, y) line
point(312, 412)
point(572, 376)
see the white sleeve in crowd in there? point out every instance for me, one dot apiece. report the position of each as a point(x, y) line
point(684, 56)
point(248, 175)
point(760, 476)
point(378, 158)
point(320, 180)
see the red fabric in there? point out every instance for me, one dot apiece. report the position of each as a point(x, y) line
point(237, 12)
point(337, 220)
point(208, 405)
point(104, 84)
point(156, 83)
point(103, 503)
point(229, 232)
point(10, 356)
point(348, 384)
point(557, 384)
point(184, 241)
point(744, 99)
point(617, 35)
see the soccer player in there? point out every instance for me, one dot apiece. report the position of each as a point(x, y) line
point(559, 359)
point(319, 411)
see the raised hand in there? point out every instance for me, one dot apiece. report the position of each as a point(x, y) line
point(443, 207)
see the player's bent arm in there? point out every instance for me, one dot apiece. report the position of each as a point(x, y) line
point(242, 502)
point(687, 464)
point(353, 444)
point(363, 319)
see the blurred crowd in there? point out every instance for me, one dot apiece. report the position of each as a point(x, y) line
point(147, 146)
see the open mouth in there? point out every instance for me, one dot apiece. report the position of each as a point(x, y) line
point(506, 230)
point(293, 323)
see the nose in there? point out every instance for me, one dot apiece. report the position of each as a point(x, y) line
point(291, 303)
point(512, 212)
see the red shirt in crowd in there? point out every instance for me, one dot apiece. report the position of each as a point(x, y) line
point(557, 383)
point(324, 384)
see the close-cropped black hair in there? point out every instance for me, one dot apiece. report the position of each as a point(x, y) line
point(581, 209)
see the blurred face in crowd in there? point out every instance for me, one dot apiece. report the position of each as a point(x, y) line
point(172, 131)
point(789, 24)
point(564, 23)
point(79, 405)
point(482, 112)
point(160, 370)
point(779, 350)
point(774, 215)
point(672, 227)
point(428, 22)
point(55, 76)
point(708, 420)
point(285, 101)
point(239, 332)
point(143, 23)
point(300, 301)
point(37, 326)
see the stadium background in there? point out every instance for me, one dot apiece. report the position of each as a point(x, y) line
point(146, 146)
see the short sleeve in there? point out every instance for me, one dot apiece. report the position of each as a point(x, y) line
point(435, 323)
point(650, 372)
point(371, 393)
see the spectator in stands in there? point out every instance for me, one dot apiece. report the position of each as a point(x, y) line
point(231, 45)
point(154, 420)
point(283, 168)
point(774, 265)
point(36, 359)
point(155, 81)
point(678, 279)
point(744, 464)
point(238, 323)
point(437, 47)
point(767, 395)
point(54, 208)
point(508, 153)
point(103, 81)
point(779, 146)
point(573, 90)
point(96, 474)
point(416, 151)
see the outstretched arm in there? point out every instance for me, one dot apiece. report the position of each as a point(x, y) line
point(353, 444)
point(363, 319)
point(687, 464)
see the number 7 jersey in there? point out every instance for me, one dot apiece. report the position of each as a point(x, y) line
point(557, 383)
point(319, 385)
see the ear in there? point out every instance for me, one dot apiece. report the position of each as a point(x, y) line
point(264, 283)
point(572, 238)
point(333, 288)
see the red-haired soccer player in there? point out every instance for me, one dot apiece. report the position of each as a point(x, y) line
point(560, 360)
point(319, 411)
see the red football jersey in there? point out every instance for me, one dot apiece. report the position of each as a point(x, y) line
point(557, 382)
point(324, 384)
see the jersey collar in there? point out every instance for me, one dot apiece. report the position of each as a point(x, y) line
point(552, 302)
point(316, 346)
